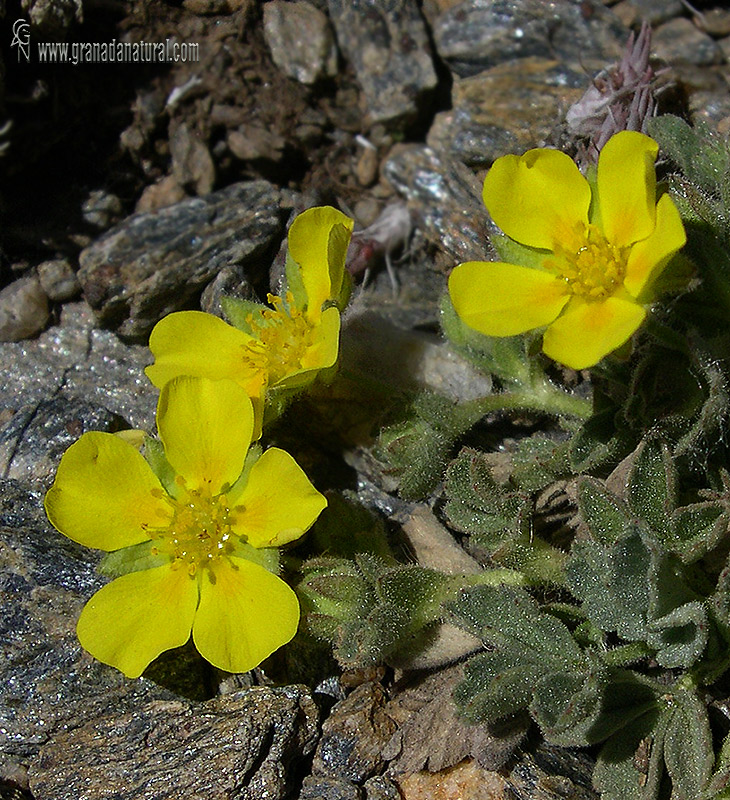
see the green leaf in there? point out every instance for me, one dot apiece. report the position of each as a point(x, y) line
point(611, 582)
point(478, 505)
point(696, 529)
point(652, 483)
point(701, 156)
point(511, 621)
point(688, 751)
point(630, 764)
point(539, 461)
point(601, 440)
point(576, 710)
point(605, 515)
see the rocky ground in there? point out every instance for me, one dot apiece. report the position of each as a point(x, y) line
point(130, 191)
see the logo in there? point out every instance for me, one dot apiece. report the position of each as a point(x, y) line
point(21, 38)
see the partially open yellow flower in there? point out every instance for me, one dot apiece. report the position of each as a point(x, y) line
point(594, 253)
point(282, 347)
point(201, 528)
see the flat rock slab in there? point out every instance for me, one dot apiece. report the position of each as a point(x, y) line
point(479, 34)
point(445, 196)
point(388, 46)
point(71, 379)
point(247, 745)
point(157, 262)
point(509, 108)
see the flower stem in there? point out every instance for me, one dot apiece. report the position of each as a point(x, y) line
point(544, 397)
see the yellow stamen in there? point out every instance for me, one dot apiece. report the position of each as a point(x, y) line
point(199, 531)
point(592, 267)
point(283, 336)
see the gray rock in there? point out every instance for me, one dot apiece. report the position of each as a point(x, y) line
point(101, 209)
point(329, 787)
point(192, 164)
point(74, 360)
point(387, 44)
point(631, 12)
point(230, 281)
point(301, 41)
point(23, 309)
point(155, 263)
point(381, 788)
point(53, 18)
point(246, 745)
point(680, 41)
point(479, 34)
point(378, 350)
point(354, 735)
point(715, 21)
point(35, 438)
point(49, 684)
point(445, 197)
point(509, 108)
point(58, 279)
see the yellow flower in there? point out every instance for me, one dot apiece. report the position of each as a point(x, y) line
point(284, 347)
point(201, 531)
point(593, 252)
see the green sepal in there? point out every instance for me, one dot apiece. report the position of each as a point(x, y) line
point(238, 311)
point(154, 454)
point(135, 558)
point(252, 456)
point(513, 252)
point(294, 282)
point(605, 515)
point(267, 557)
point(511, 358)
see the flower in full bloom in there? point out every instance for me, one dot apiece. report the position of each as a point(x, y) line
point(592, 252)
point(283, 347)
point(199, 532)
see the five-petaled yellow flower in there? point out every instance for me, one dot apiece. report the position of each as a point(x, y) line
point(593, 252)
point(282, 348)
point(210, 527)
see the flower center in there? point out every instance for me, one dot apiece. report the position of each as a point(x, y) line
point(283, 335)
point(200, 529)
point(592, 267)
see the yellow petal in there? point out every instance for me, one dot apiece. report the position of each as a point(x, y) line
point(133, 619)
point(500, 299)
point(245, 614)
point(321, 354)
point(587, 332)
point(201, 345)
point(318, 241)
point(279, 503)
point(538, 197)
point(627, 187)
point(649, 256)
point(206, 428)
point(102, 496)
